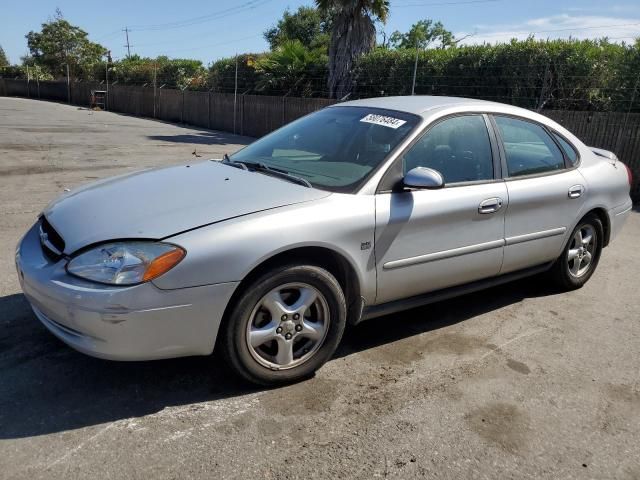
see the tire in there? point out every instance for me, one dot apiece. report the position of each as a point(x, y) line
point(571, 270)
point(266, 350)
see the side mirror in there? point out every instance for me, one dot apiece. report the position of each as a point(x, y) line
point(423, 177)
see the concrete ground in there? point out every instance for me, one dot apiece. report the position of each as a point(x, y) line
point(513, 382)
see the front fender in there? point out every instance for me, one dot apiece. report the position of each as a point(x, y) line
point(228, 251)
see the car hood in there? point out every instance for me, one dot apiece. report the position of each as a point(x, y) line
point(159, 203)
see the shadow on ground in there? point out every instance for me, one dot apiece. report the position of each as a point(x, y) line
point(46, 387)
point(204, 137)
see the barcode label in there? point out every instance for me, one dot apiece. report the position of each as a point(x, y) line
point(383, 120)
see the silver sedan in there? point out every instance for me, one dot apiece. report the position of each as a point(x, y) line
point(356, 211)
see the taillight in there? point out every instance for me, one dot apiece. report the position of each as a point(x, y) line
point(629, 174)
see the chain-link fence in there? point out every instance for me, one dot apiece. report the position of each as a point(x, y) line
point(257, 115)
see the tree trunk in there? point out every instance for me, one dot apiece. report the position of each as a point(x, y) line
point(353, 35)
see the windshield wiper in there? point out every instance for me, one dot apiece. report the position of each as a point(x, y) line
point(232, 163)
point(264, 168)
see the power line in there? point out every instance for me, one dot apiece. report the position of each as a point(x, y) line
point(251, 4)
point(437, 4)
point(203, 47)
point(108, 35)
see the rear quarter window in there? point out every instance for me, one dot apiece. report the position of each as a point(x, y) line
point(567, 148)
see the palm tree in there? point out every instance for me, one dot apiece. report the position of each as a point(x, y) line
point(289, 68)
point(353, 33)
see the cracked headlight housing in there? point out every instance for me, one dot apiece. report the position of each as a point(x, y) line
point(125, 263)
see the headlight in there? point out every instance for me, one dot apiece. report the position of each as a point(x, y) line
point(126, 263)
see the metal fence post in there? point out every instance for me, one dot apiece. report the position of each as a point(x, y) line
point(182, 110)
point(155, 70)
point(106, 78)
point(209, 109)
point(242, 114)
point(235, 95)
point(68, 87)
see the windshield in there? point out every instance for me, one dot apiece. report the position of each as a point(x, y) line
point(334, 149)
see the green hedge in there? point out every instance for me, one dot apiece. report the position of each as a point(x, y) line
point(559, 74)
point(555, 74)
point(576, 75)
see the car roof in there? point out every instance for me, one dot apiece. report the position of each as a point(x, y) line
point(420, 104)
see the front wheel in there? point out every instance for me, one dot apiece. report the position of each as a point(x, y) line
point(580, 256)
point(285, 325)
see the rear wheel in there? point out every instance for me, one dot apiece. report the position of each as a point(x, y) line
point(285, 325)
point(581, 255)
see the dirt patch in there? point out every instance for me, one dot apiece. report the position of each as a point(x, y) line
point(60, 130)
point(301, 398)
point(621, 409)
point(24, 147)
point(519, 367)
point(501, 424)
point(36, 169)
point(411, 349)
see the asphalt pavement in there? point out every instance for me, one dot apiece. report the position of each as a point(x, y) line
point(517, 381)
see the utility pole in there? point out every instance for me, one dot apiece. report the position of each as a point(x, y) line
point(126, 32)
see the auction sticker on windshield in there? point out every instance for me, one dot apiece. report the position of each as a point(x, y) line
point(383, 120)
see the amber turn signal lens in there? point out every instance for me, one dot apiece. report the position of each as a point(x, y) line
point(163, 263)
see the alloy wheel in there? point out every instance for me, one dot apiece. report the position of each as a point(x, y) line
point(581, 250)
point(287, 326)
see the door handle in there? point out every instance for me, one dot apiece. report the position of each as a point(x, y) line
point(490, 205)
point(576, 191)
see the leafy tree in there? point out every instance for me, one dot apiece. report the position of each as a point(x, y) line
point(176, 72)
point(29, 69)
point(353, 33)
point(59, 44)
point(181, 72)
point(4, 61)
point(222, 73)
point(307, 25)
point(422, 34)
point(289, 68)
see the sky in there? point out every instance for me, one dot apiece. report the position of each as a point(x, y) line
point(209, 30)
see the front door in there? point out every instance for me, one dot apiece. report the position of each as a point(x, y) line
point(431, 239)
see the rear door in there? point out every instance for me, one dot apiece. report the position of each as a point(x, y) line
point(431, 239)
point(546, 192)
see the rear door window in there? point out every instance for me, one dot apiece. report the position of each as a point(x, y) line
point(528, 147)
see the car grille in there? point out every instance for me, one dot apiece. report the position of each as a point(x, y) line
point(50, 240)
